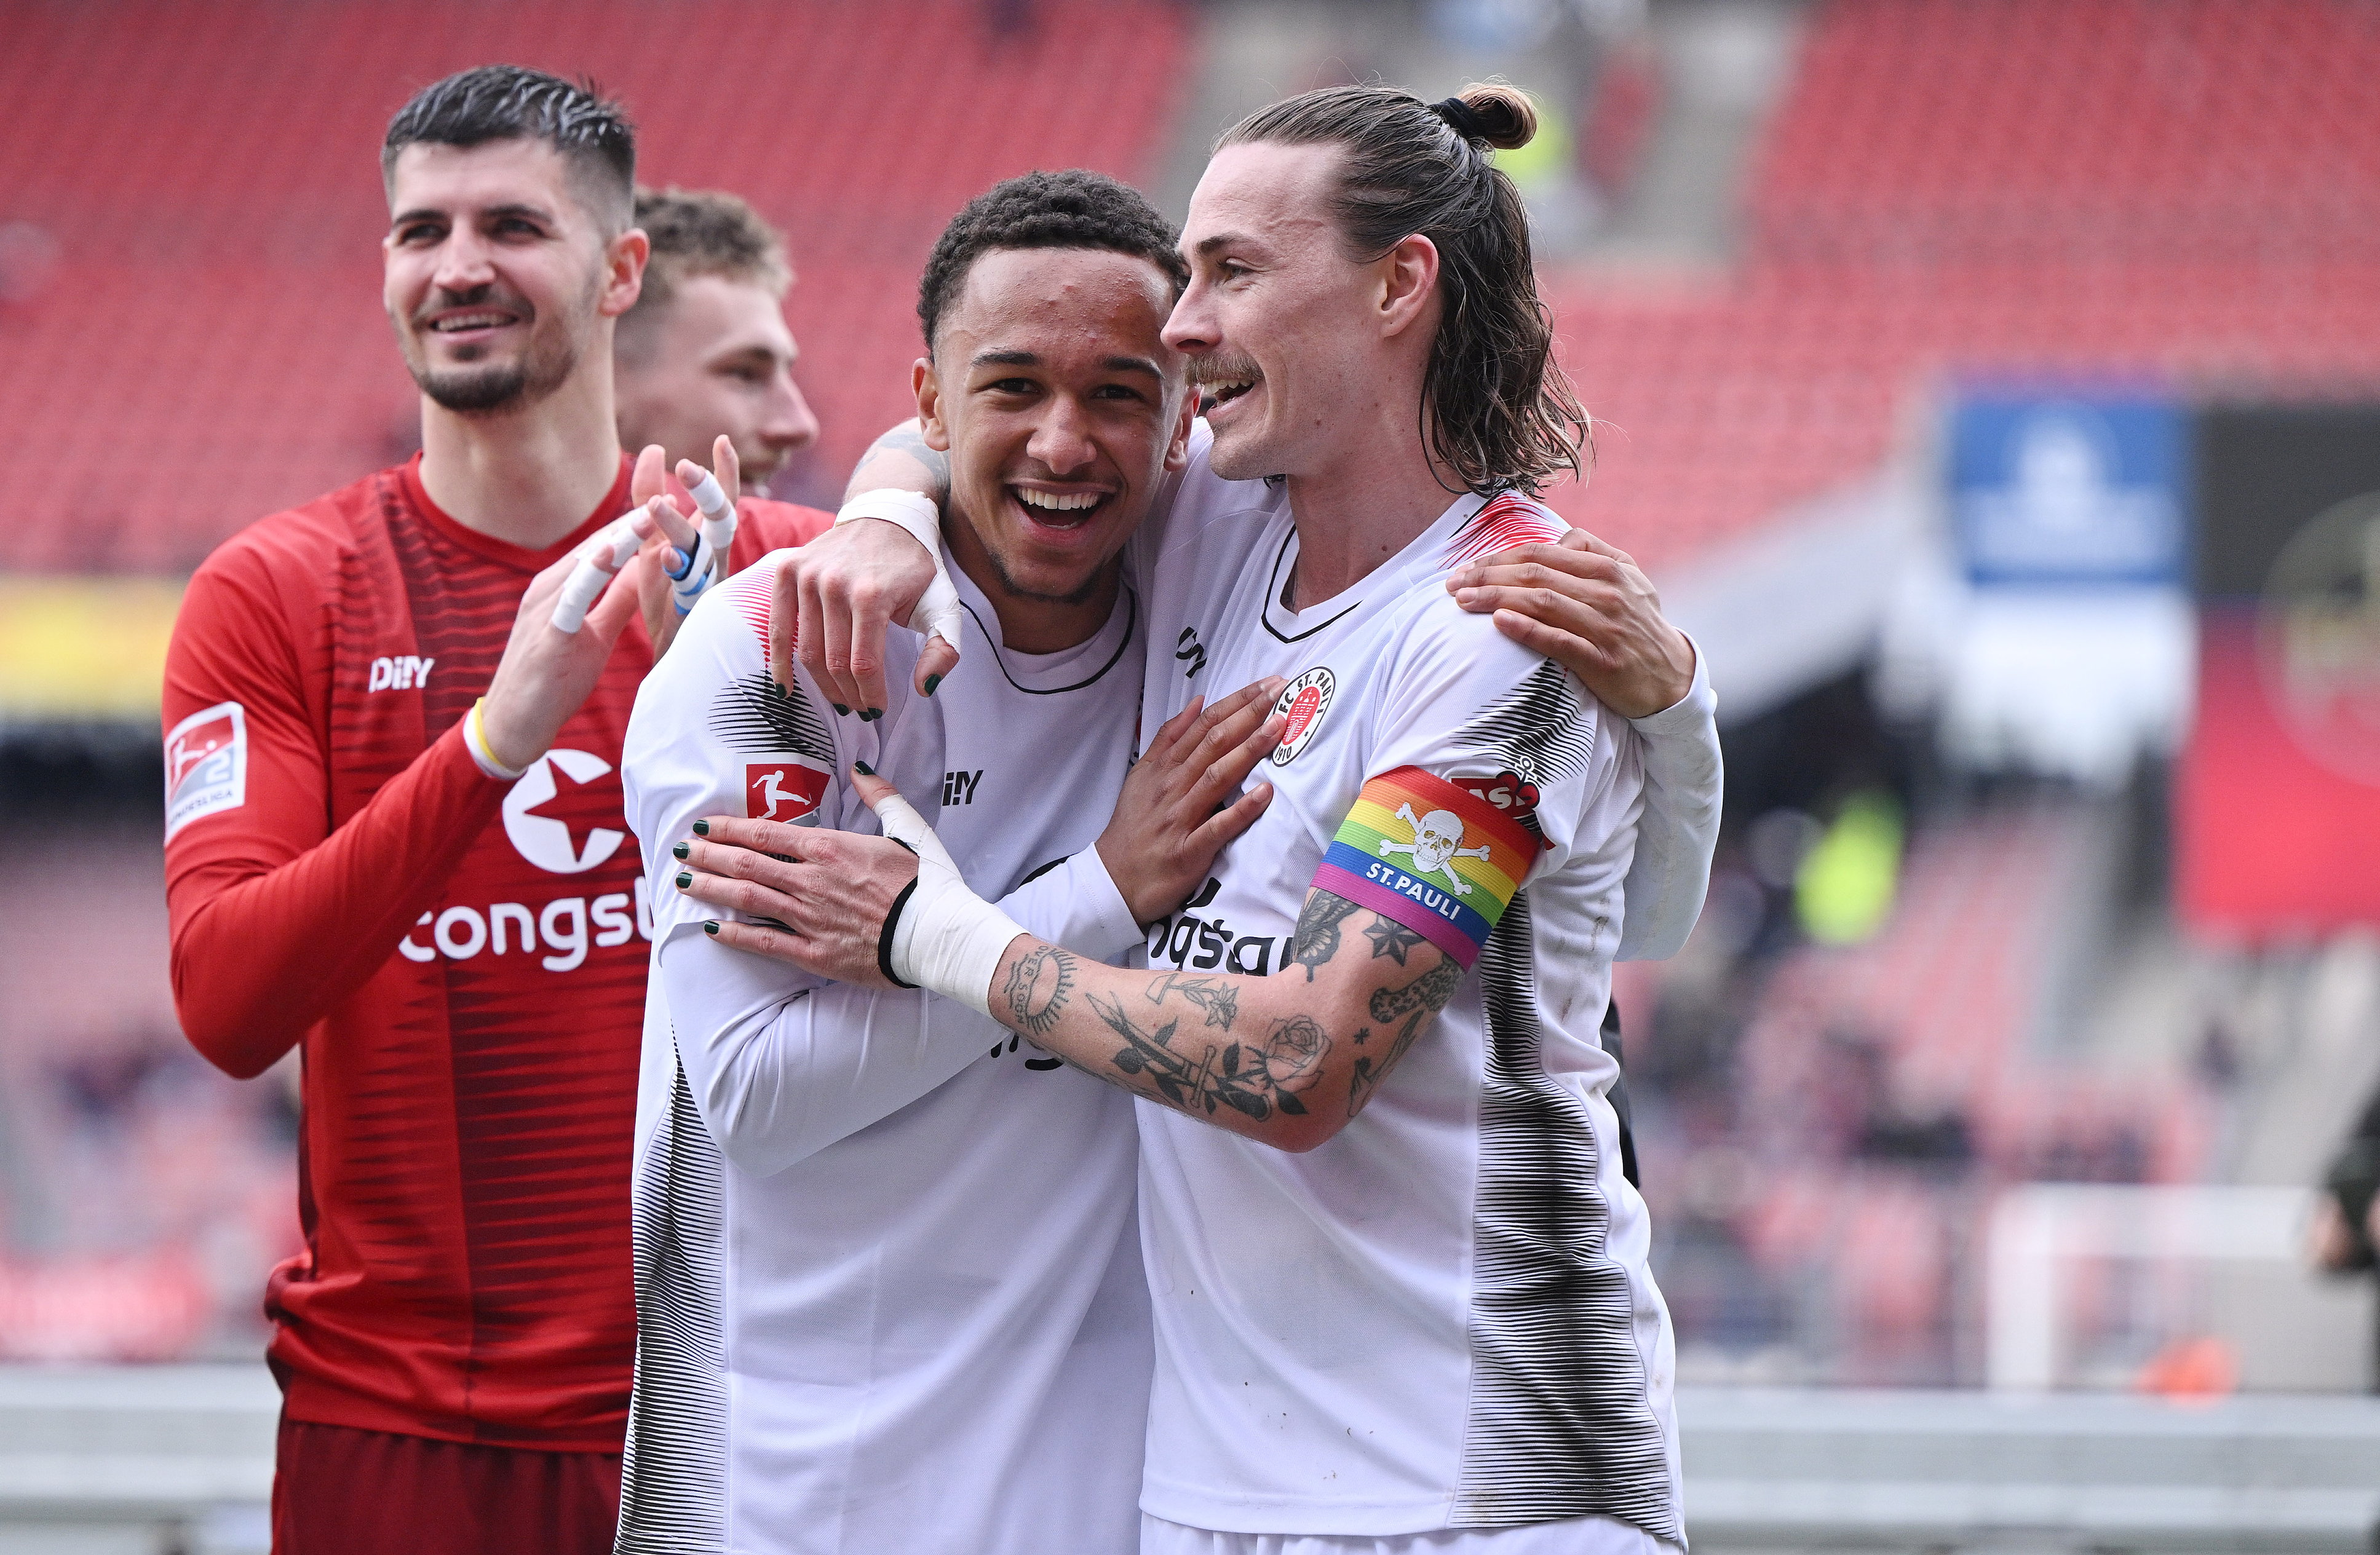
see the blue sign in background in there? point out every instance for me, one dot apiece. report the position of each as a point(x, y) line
point(2061, 488)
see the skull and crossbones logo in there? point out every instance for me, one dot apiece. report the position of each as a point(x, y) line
point(1437, 843)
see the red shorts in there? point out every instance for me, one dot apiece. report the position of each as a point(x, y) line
point(337, 1491)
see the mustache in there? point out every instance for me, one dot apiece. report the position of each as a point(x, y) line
point(489, 296)
point(1218, 367)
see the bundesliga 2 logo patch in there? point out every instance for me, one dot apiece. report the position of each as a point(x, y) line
point(1304, 700)
point(206, 765)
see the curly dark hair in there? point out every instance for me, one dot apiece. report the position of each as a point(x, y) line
point(1497, 411)
point(515, 102)
point(1076, 208)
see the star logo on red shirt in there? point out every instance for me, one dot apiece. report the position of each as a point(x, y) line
point(547, 841)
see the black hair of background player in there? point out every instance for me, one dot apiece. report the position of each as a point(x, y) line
point(515, 102)
point(1074, 209)
point(1497, 411)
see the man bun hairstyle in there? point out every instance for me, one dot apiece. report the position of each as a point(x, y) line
point(1497, 411)
point(513, 102)
point(1075, 209)
point(1490, 114)
point(694, 233)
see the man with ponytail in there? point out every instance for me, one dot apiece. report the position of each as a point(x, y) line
point(1400, 1282)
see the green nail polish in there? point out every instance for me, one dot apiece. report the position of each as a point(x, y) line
point(681, 850)
point(871, 715)
point(841, 708)
point(863, 769)
point(685, 879)
point(933, 681)
point(702, 829)
point(710, 926)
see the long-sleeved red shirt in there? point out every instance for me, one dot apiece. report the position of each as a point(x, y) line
point(462, 960)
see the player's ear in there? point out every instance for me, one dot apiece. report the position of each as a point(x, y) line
point(928, 389)
point(1177, 447)
point(624, 272)
point(1407, 278)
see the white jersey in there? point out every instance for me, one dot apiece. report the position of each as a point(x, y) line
point(1442, 1316)
point(889, 1287)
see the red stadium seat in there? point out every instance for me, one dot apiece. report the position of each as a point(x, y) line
point(2183, 189)
point(208, 346)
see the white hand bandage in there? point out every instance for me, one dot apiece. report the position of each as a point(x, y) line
point(938, 613)
point(948, 940)
point(586, 581)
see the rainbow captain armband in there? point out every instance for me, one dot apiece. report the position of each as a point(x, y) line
point(1440, 860)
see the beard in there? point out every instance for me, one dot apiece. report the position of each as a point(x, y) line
point(480, 389)
point(545, 363)
point(1090, 586)
point(1018, 589)
point(470, 390)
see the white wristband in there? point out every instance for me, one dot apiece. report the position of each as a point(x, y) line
point(475, 740)
point(949, 940)
point(938, 613)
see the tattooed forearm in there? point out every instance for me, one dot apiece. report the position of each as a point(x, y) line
point(888, 460)
point(1417, 1002)
point(1391, 937)
point(1037, 987)
point(1217, 996)
point(1247, 1051)
point(1318, 930)
point(1252, 1080)
point(1293, 1056)
point(1149, 1053)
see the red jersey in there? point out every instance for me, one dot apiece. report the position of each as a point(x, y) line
point(464, 960)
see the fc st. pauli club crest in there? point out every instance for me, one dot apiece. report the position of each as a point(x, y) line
point(1302, 702)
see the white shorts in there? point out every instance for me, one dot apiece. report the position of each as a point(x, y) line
point(1575, 1536)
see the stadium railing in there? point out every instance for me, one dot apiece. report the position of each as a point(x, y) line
point(181, 1458)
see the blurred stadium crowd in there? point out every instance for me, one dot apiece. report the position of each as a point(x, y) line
point(2049, 859)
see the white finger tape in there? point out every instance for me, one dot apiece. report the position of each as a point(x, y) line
point(949, 939)
point(939, 613)
point(586, 581)
point(718, 534)
point(709, 496)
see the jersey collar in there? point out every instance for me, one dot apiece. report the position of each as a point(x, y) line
point(1424, 553)
point(1069, 669)
point(503, 553)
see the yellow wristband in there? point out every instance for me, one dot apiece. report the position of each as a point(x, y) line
point(475, 736)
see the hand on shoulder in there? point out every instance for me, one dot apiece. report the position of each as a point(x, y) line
point(1588, 606)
